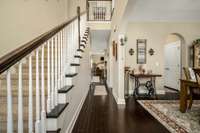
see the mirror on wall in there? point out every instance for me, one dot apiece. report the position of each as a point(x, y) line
point(141, 51)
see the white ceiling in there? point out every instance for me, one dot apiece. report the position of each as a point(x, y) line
point(163, 10)
point(99, 40)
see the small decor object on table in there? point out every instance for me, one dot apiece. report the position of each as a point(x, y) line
point(141, 69)
point(141, 51)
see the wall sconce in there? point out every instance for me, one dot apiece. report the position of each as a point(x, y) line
point(151, 52)
point(123, 41)
point(131, 51)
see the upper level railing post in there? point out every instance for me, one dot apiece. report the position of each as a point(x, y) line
point(79, 20)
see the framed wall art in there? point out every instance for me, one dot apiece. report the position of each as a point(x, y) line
point(114, 47)
point(141, 51)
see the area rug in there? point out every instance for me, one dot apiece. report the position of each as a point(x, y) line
point(100, 90)
point(168, 114)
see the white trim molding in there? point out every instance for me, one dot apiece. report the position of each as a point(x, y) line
point(118, 100)
point(158, 91)
point(76, 114)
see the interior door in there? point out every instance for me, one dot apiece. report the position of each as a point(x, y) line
point(172, 57)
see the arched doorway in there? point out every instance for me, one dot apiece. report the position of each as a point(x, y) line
point(173, 60)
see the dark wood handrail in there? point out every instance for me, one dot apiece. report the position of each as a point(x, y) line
point(16, 55)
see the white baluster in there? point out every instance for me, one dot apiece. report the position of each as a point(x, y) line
point(66, 43)
point(20, 101)
point(43, 114)
point(30, 104)
point(9, 104)
point(59, 58)
point(52, 74)
point(48, 79)
point(37, 123)
point(56, 71)
point(62, 58)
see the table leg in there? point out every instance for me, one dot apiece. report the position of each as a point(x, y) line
point(183, 97)
point(136, 87)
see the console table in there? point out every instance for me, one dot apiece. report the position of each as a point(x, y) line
point(150, 84)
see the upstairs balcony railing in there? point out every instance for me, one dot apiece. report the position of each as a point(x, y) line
point(99, 10)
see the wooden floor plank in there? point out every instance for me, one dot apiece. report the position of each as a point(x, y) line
point(101, 114)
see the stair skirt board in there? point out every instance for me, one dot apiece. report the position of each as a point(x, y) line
point(76, 114)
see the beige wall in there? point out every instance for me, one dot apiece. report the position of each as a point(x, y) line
point(156, 35)
point(73, 4)
point(172, 38)
point(23, 20)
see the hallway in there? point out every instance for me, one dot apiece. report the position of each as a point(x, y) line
point(100, 114)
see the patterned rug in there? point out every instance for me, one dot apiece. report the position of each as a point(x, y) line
point(167, 113)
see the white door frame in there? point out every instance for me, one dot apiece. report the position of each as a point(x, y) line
point(180, 65)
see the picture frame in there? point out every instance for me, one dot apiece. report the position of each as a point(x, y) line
point(141, 51)
point(114, 47)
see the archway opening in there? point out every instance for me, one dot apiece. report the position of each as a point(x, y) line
point(174, 60)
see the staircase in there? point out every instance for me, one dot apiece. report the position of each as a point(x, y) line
point(35, 79)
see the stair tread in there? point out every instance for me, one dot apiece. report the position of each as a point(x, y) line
point(65, 89)
point(57, 131)
point(80, 50)
point(56, 112)
point(78, 56)
point(82, 45)
point(75, 64)
point(71, 74)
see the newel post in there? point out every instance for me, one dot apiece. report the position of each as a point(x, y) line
point(79, 19)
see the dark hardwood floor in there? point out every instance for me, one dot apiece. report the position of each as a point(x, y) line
point(101, 114)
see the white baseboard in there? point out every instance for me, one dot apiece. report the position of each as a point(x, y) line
point(76, 114)
point(158, 91)
point(121, 101)
point(118, 100)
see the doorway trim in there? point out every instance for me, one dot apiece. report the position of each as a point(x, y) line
point(182, 55)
